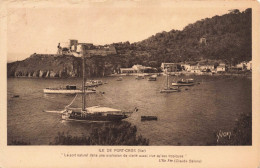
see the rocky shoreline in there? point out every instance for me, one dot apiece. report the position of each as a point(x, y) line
point(62, 66)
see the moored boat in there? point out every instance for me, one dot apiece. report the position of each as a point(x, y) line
point(169, 89)
point(152, 78)
point(93, 83)
point(69, 89)
point(139, 76)
point(187, 82)
point(95, 113)
point(119, 79)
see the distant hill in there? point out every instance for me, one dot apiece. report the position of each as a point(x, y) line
point(227, 38)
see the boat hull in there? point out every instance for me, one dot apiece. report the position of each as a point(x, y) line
point(95, 113)
point(169, 90)
point(97, 118)
point(182, 84)
point(64, 91)
point(152, 79)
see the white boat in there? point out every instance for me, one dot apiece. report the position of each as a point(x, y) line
point(139, 76)
point(152, 78)
point(95, 113)
point(187, 82)
point(69, 89)
point(93, 83)
point(168, 89)
point(119, 79)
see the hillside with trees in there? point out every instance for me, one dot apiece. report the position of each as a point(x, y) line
point(226, 38)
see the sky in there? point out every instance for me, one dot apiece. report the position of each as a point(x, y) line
point(39, 30)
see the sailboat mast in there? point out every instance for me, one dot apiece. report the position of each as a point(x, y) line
point(83, 80)
point(167, 80)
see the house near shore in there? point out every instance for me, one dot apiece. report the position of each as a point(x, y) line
point(206, 67)
point(195, 68)
point(127, 70)
point(249, 65)
point(186, 67)
point(221, 67)
point(245, 65)
point(170, 67)
point(240, 66)
point(138, 69)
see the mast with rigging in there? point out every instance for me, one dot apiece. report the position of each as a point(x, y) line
point(83, 79)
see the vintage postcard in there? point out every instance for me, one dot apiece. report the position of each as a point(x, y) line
point(129, 84)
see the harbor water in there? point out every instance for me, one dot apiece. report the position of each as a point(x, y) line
point(189, 117)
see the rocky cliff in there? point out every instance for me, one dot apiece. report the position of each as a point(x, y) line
point(62, 66)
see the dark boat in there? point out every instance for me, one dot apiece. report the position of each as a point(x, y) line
point(15, 96)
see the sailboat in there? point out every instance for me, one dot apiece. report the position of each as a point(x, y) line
point(95, 113)
point(169, 89)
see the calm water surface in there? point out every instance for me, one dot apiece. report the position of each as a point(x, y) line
point(189, 117)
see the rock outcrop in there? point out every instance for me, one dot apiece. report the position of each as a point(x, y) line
point(62, 66)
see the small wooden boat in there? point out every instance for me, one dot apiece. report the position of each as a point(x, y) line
point(152, 78)
point(119, 79)
point(15, 96)
point(170, 90)
point(88, 84)
point(140, 76)
point(93, 83)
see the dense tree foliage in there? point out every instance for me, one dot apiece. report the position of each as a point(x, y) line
point(113, 134)
point(227, 38)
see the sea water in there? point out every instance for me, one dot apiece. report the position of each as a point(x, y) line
point(189, 117)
